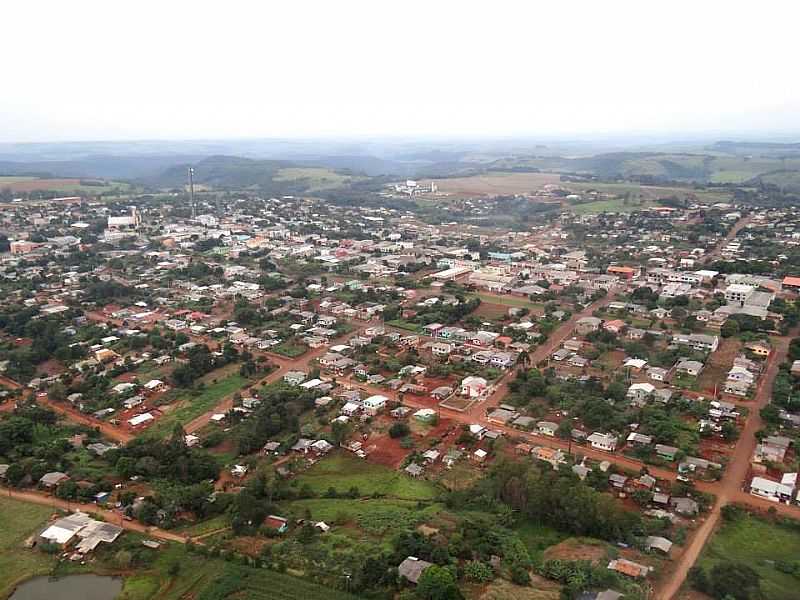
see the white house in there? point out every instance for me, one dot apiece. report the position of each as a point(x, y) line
point(603, 441)
point(473, 386)
point(375, 404)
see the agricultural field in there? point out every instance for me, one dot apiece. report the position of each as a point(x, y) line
point(343, 471)
point(316, 178)
point(175, 573)
point(33, 184)
point(761, 544)
point(18, 521)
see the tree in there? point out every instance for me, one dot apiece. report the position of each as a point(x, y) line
point(437, 583)
point(734, 579)
point(399, 430)
point(730, 328)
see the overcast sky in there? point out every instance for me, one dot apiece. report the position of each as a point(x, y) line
point(120, 69)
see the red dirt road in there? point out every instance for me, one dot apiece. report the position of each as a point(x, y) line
point(729, 488)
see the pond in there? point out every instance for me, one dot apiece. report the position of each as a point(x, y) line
point(72, 587)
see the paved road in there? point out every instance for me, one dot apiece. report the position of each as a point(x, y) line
point(729, 489)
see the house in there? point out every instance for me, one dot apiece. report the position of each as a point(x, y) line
point(640, 392)
point(375, 404)
point(549, 455)
point(279, 524)
point(614, 326)
point(629, 568)
point(547, 428)
point(603, 441)
point(587, 325)
point(697, 341)
point(639, 439)
point(294, 377)
point(666, 452)
point(479, 455)
point(502, 416)
point(759, 348)
point(685, 506)
point(474, 387)
point(657, 373)
point(53, 479)
point(691, 368)
point(412, 568)
point(771, 490)
point(79, 526)
point(655, 542)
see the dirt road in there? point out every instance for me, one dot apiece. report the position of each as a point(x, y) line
point(729, 488)
point(734, 231)
point(107, 515)
point(108, 430)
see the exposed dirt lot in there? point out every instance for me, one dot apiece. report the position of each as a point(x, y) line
point(576, 549)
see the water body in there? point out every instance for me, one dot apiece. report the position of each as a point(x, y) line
point(72, 587)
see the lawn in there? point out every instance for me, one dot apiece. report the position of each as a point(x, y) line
point(290, 349)
point(343, 471)
point(18, 521)
point(402, 324)
point(758, 543)
point(207, 526)
point(190, 406)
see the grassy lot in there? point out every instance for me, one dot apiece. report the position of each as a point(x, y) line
point(538, 538)
point(191, 407)
point(375, 517)
point(512, 301)
point(290, 349)
point(203, 527)
point(402, 324)
point(19, 520)
point(758, 543)
point(343, 471)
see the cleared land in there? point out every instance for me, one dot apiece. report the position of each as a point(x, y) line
point(760, 544)
point(496, 184)
point(18, 521)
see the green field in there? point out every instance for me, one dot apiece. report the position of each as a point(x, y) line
point(191, 406)
point(758, 543)
point(343, 471)
point(513, 301)
point(316, 178)
point(372, 516)
point(18, 521)
point(59, 184)
point(177, 574)
point(617, 205)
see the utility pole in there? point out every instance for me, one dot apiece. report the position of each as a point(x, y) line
point(191, 192)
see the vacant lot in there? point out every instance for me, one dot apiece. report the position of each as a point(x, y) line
point(758, 543)
point(496, 184)
point(189, 406)
point(343, 471)
point(18, 521)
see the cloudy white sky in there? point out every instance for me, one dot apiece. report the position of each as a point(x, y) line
point(89, 70)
